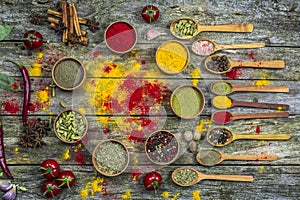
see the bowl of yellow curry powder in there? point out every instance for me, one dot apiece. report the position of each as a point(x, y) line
point(172, 57)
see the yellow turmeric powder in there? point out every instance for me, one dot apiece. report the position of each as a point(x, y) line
point(222, 102)
point(172, 57)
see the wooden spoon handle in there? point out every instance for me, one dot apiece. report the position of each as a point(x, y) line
point(259, 115)
point(224, 177)
point(272, 64)
point(262, 136)
point(261, 105)
point(240, 46)
point(242, 88)
point(250, 157)
point(246, 28)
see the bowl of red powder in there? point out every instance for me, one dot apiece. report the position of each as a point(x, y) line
point(120, 37)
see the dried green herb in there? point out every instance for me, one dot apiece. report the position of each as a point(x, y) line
point(8, 83)
point(5, 31)
point(209, 157)
point(185, 176)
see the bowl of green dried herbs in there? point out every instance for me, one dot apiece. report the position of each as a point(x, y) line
point(162, 147)
point(70, 126)
point(110, 157)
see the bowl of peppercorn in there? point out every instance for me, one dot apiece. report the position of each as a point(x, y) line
point(70, 126)
point(162, 147)
point(120, 37)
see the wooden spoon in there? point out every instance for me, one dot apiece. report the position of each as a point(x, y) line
point(204, 47)
point(224, 87)
point(201, 176)
point(245, 28)
point(225, 117)
point(219, 157)
point(230, 103)
point(222, 136)
point(270, 64)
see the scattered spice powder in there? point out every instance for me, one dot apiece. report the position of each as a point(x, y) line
point(221, 88)
point(196, 195)
point(120, 37)
point(185, 176)
point(221, 117)
point(209, 157)
point(219, 136)
point(203, 47)
point(172, 57)
point(222, 102)
point(11, 106)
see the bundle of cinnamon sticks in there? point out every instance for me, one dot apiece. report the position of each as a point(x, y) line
point(68, 23)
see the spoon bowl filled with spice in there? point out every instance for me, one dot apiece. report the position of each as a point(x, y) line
point(172, 57)
point(162, 147)
point(221, 64)
point(110, 157)
point(120, 37)
point(213, 157)
point(187, 28)
point(225, 87)
point(187, 101)
point(185, 177)
point(204, 47)
point(222, 136)
point(68, 73)
point(70, 126)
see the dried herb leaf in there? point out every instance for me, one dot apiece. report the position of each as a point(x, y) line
point(8, 83)
point(5, 31)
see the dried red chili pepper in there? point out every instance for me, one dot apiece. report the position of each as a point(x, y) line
point(26, 81)
point(2, 154)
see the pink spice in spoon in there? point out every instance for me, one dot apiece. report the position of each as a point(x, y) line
point(221, 117)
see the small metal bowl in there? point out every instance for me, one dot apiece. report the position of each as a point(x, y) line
point(114, 159)
point(116, 42)
point(152, 150)
point(169, 47)
point(60, 73)
point(64, 133)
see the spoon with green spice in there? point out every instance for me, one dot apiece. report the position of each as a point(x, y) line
point(222, 136)
point(225, 87)
point(221, 64)
point(188, 176)
point(213, 157)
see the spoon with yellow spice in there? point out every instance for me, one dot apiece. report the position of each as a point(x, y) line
point(224, 102)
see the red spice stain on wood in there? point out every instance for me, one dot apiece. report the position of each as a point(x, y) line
point(234, 73)
point(257, 130)
point(11, 107)
point(251, 56)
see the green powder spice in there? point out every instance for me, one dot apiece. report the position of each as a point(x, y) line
point(210, 158)
point(185, 176)
point(68, 73)
point(111, 157)
point(187, 102)
point(221, 88)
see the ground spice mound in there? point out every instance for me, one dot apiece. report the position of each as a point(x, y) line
point(210, 157)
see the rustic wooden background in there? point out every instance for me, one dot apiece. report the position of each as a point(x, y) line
point(275, 22)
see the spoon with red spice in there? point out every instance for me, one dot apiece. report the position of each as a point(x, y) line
point(205, 47)
point(222, 136)
point(213, 157)
point(225, 117)
point(221, 64)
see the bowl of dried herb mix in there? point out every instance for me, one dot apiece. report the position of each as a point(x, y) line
point(70, 126)
point(162, 147)
point(172, 57)
point(110, 157)
point(68, 73)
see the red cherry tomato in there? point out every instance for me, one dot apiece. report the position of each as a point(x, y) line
point(33, 39)
point(66, 179)
point(50, 188)
point(150, 13)
point(152, 180)
point(50, 168)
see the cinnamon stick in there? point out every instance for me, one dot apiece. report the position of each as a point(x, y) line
point(71, 22)
point(64, 20)
point(59, 15)
point(76, 22)
point(56, 21)
point(53, 20)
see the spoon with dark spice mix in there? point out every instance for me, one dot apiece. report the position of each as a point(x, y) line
point(188, 176)
point(222, 136)
point(221, 64)
point(213, 157)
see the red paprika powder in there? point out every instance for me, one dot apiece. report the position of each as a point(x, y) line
point(120, 37)
point(221, 117)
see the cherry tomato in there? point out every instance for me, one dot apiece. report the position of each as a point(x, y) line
point(50, 168)
point(152, 180)
point(33, 39)
point(150, 13)
point(66, 179)
point(50, 188)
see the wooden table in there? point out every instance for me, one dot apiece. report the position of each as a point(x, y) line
point(275, 22)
